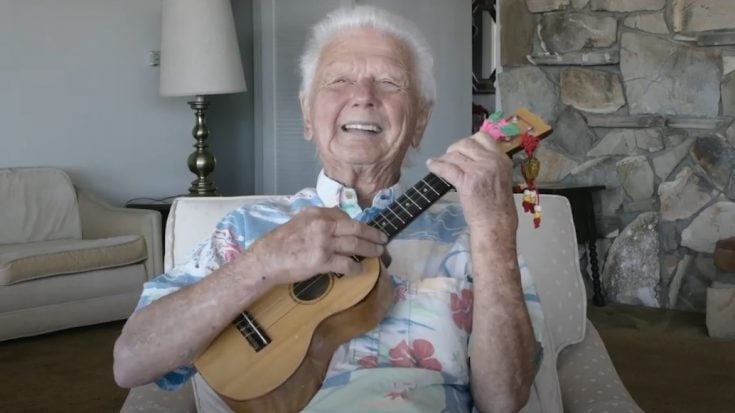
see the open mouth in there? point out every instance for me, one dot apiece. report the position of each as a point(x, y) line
point(362, 127)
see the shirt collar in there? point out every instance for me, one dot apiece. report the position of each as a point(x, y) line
point(334, 194)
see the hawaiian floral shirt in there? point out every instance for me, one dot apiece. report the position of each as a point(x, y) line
point(416, 359)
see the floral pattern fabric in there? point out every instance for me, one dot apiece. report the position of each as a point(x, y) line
point(416, 359)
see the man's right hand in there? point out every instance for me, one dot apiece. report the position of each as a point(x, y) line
point(316, 240)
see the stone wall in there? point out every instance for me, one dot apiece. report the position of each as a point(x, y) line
point(641, 94)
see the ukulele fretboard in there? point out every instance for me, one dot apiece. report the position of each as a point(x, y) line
point(410, 205)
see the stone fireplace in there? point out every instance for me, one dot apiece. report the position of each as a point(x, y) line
point(641, 94)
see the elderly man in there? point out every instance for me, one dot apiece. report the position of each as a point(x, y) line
point(459, 333)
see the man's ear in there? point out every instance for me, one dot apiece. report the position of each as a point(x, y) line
point(306, 113)
point(422, 119)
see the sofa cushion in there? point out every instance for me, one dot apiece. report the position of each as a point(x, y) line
point(27, 261)
point(38, 204)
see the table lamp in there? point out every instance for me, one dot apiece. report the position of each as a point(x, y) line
point(200, 56)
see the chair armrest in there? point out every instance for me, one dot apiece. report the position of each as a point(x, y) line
point(589, 381)
point(102, 220)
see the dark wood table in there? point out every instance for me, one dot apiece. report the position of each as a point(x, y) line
point(583, 214)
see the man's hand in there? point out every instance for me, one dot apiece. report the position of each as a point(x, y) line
point(316, 240)
point(482, 174)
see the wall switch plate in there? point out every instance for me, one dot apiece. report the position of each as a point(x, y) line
point(154, 58)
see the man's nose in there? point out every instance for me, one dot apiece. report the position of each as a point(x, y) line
point(363, 93)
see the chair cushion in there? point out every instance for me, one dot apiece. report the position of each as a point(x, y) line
point(38, 204)
point(27, 261)
point(545, 394)
point(589, 380)
point(553, 259)
point(192, 221)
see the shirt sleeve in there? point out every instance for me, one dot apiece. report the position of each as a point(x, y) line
point(224, 245)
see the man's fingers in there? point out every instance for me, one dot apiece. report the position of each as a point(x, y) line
point(344, 265)
point(476, 147)
point(468, 147)
point(386, 258)
point(352, 245)
point(486, 141)
point(457, 158)
point(445, 169)
point(349, 226)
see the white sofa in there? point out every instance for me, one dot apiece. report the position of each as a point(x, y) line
point(576, 374)
point(68, 259)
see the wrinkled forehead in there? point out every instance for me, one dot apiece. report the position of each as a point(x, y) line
point(366, 45)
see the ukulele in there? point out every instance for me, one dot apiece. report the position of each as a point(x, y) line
point(274, 356)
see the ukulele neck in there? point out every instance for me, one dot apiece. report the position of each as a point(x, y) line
point(401, 212)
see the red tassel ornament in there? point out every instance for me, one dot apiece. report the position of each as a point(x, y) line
point(530, 169)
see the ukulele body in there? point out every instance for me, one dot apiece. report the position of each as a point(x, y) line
point(284, 375)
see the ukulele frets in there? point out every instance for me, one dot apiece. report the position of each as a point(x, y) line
point(252, 331)
point(399, 214)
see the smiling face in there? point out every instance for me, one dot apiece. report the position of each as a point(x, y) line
point(364, 110)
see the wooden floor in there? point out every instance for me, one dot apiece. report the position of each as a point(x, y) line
point(67, 371)
point(665, 359)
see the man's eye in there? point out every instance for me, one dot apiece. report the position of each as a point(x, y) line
point(339, 81)
point(389, 84)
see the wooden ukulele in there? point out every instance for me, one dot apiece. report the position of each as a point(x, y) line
point(274, 356)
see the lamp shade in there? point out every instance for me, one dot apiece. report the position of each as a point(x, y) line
point(199, 50)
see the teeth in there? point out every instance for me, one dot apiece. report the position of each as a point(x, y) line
point(369, 127)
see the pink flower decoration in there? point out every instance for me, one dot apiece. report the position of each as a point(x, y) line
point(494, 129)
point(399, 293)
point(422, 351)
point(368, 361)
point(462, 309)
point(400, 355)
point(401, 391)
point(226, 245)
point(420, 355)
point(394, 395)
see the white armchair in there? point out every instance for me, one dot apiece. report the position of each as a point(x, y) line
point(576, 374)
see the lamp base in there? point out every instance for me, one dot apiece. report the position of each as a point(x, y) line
point(203, 187)
point(201, 162)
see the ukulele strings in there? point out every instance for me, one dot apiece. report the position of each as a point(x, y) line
point(435, 179)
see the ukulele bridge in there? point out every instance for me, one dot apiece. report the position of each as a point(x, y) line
point(249, 327)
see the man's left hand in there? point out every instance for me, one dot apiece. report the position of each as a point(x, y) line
point(483, 176)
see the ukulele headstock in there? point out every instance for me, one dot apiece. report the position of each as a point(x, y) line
point(527, 122)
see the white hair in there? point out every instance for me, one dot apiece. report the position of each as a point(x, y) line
point(370, 17)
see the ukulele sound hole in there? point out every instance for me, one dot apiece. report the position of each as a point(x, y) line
point(311, 289)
